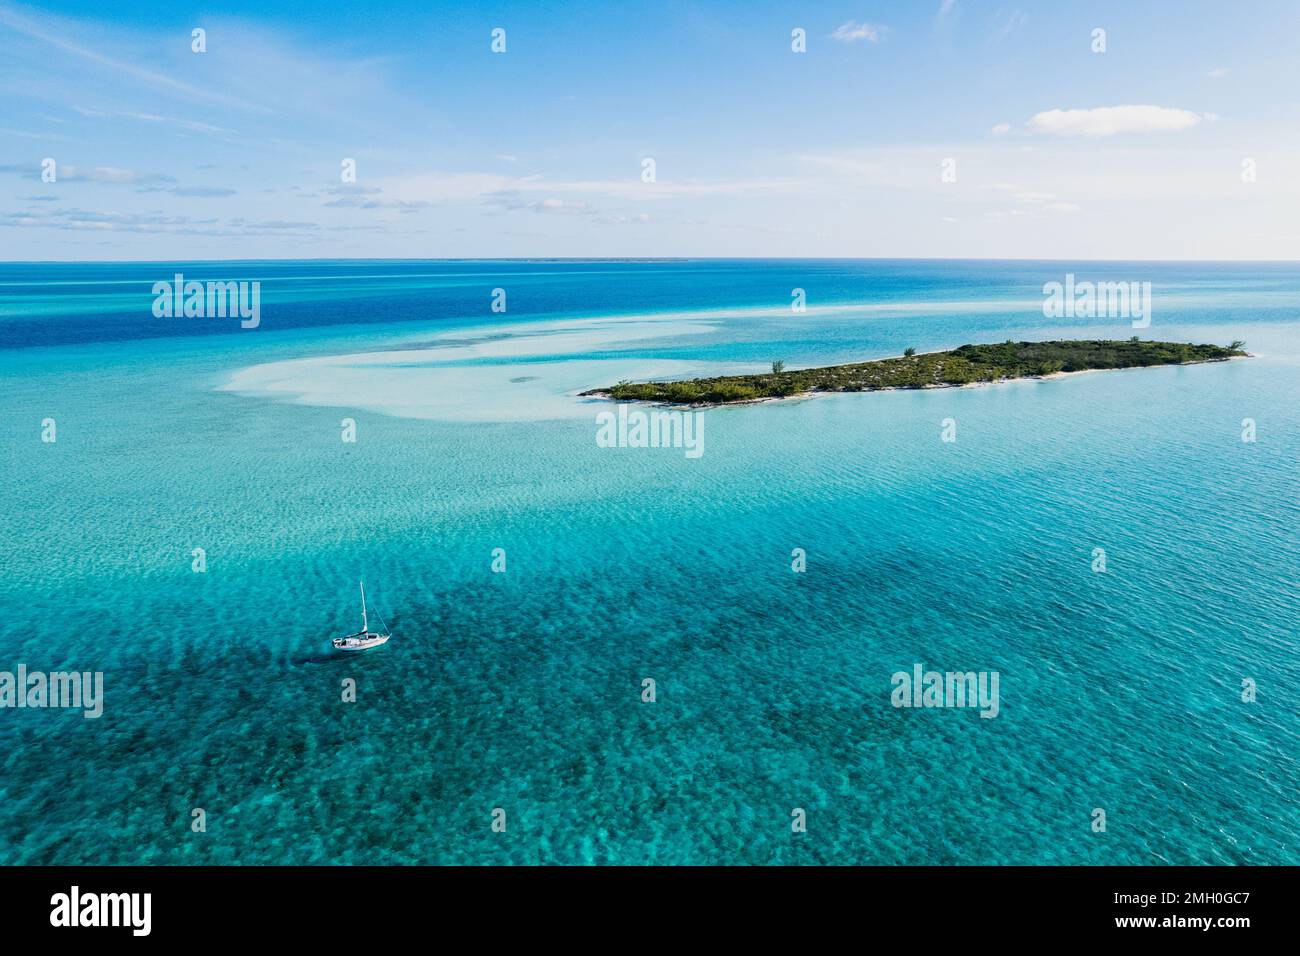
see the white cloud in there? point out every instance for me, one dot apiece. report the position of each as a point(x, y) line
point(1001, 129)
point(850, 32)
point(1111, 120)
point(1217, 73)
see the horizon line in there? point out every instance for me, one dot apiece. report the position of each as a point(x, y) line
point(628, 259)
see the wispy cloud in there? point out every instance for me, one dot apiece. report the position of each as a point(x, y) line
point(202, 192)
point(1014, 21)
point(191, 125)
point(1028, 201)
point(61, 33)
point(438, 187)
point(81, 220)
point(851, 32)
point(68, 172)
point(1113, 120)
point(273, 225)
point(91, 57)
point(155, 222)
point(946, 19)
point(28, 134)
point(551, 205)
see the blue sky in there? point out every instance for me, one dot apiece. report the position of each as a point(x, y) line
point(1060, 152)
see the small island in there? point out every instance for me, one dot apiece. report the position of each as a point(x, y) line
point(967, 365)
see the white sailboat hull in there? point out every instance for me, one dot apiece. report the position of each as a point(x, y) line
point(360, 642)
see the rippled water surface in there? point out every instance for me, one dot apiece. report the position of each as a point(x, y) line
point(523, 690)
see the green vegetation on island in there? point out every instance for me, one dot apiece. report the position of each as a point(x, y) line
point(967, 365)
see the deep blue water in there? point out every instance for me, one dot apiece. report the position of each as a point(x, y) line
point(522, 690)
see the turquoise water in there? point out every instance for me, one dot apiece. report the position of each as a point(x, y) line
point(522, 690)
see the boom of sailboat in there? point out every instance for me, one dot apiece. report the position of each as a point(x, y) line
point(364, 638)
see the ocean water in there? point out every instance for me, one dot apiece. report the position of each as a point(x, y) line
point(522, 690)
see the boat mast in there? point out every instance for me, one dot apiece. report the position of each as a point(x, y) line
point(364, 626)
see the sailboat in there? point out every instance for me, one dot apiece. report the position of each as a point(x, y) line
point(365, 637)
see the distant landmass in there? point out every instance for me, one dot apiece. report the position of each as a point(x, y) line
point(967, 365)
